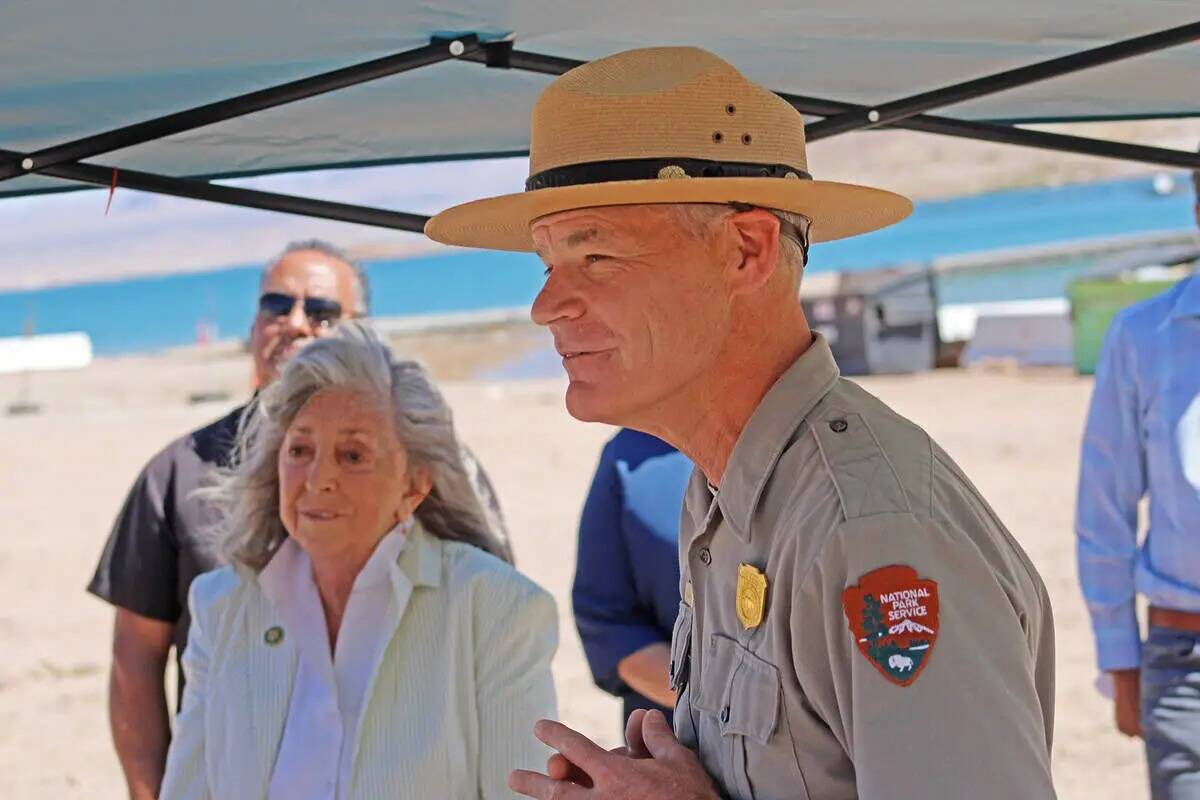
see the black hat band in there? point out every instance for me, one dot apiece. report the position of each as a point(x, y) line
point(644, 169)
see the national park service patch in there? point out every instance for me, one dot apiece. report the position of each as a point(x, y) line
point(893, 614)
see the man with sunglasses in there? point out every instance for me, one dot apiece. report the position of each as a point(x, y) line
point(156, 546)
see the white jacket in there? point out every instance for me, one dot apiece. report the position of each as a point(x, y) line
point(450, 708)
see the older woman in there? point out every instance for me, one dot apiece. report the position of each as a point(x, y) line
point(369, 639)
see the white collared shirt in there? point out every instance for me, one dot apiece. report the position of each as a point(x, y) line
point(316, 753)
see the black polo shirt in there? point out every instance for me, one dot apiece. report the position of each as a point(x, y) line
point(160, 540)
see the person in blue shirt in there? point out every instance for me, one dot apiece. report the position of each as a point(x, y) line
point(626, 591)
point(1143, 441)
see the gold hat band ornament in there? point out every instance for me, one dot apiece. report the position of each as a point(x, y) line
point(624, 130)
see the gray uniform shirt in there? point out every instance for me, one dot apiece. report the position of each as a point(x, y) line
point(906, 646)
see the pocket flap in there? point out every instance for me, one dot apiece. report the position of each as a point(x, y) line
point(753, 699)
point(740, 689)
point(718, 659)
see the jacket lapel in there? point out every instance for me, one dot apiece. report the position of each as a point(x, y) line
point(418, 566)
point(271, 658)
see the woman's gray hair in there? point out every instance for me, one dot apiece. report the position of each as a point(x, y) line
point(354, 358)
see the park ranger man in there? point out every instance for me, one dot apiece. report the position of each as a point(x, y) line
point(856, 621)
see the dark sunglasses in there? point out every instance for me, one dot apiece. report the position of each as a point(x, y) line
point(319, 310)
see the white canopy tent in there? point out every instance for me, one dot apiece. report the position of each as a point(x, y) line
point(167, 97)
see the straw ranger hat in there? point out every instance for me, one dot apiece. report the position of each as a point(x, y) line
point(664, 125)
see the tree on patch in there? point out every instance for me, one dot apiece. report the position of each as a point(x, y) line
point(878, 647)
point(872, 616)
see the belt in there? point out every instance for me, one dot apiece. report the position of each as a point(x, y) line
point(1178, 620)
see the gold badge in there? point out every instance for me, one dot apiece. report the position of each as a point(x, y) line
point(273, 636)
point(751, 596)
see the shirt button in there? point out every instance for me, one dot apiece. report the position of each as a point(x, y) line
point(725, 714)
point(838, 426)
point(705, 556)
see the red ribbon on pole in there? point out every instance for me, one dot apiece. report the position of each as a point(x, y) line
point(112, 189)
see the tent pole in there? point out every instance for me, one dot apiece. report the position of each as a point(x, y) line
point(1009, 134)
point(1059, 142)
point(1009, 79)
point(236, 196)
point(435, 52)
point(501, 54)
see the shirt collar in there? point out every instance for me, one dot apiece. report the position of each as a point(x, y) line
point(406, 548)
point(421, 557)
point(1187, 304)
point(767, 433)
point(378, 566)
point(287, 563)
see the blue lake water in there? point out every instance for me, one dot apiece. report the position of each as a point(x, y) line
point(146, 314)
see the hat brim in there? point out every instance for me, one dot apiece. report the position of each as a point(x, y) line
point(837, 210)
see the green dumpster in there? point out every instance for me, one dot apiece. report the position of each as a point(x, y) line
point(1094, 302)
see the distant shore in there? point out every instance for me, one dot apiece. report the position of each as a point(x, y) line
point(181, 236)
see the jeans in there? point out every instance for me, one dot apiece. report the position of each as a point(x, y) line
point(1171, 713)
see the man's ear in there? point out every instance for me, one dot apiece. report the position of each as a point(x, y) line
point(756, 237)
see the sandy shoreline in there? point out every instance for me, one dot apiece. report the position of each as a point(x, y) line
point(65, 471)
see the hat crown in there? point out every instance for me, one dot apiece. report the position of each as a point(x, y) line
point(664, 125)
point(662, 102)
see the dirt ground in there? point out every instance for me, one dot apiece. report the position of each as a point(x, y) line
point(65, 470)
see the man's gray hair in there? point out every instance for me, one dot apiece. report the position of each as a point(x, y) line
point(793, 228)
point(362, 299)
point(354, 357)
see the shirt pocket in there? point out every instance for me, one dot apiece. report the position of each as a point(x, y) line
point(741, 696)
point(678, 675)
point(681, 649)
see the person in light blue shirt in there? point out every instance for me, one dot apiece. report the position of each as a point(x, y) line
point(1143, 441)
point(626, 591)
